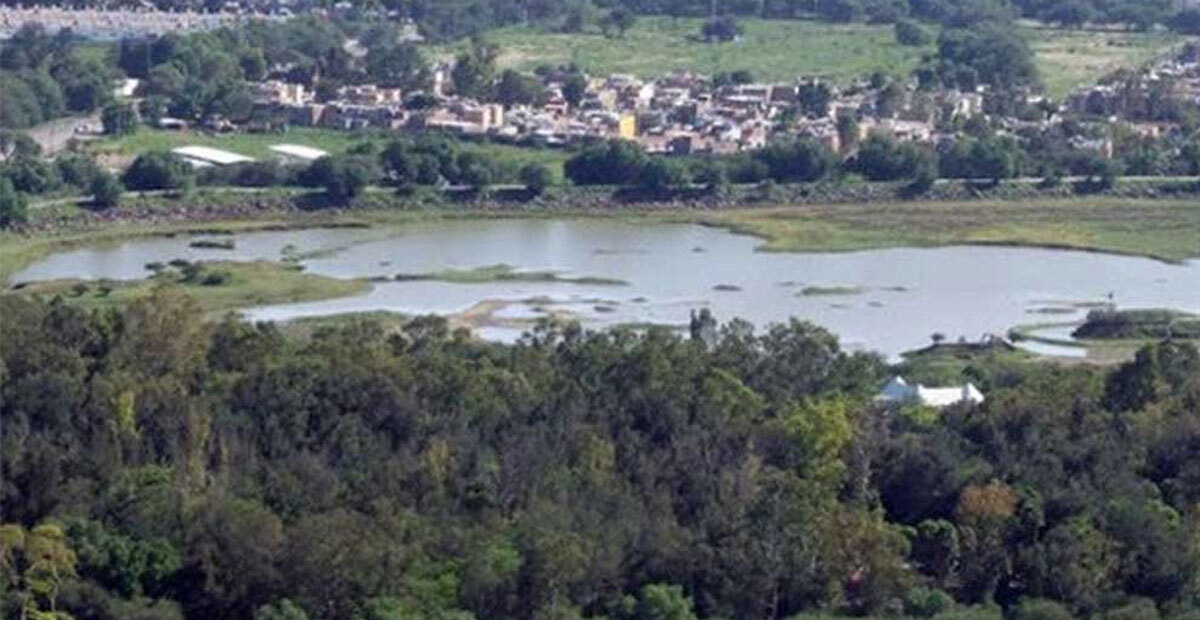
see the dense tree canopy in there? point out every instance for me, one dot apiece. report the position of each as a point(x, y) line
point(159, 466)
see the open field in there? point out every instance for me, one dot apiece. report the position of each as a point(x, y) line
point(785, 49)
point(241, 285)
point(1068, 59)
point(1163, 229)
point(772, 49)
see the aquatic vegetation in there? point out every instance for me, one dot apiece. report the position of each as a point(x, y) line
point(502, 272)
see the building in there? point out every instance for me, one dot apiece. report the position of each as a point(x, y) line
point(899, 392)
point(298, 154)
point(203, 156)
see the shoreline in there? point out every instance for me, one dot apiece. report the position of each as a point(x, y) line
point(1168, 229)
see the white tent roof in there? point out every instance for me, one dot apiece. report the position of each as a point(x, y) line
point(899, 391)
point(211, 155)
point(300, 152)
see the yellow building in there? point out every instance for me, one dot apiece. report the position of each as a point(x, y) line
point(627, 127)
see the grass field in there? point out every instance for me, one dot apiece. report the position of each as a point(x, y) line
point(785, 49)
point(1164, 229)
point(247, 284)
point(1068, 59)
point(772, 49)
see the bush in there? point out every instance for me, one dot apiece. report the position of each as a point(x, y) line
point(660, 174)
point(1136, 609)
point(536, 178)
point(13, 208)
point(216, 278)
point(158, 170)
point(909, 32)
point(343, 176)
point(119, 119)
point(926, 602)
point(106, 190)
point(1041, 609)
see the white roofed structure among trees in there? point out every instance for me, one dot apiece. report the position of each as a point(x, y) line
point(898, 391)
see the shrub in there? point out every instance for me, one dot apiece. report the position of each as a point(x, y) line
point(926, 602)
point(1041, 609)
point(909, 32)
point(106, 190)
point(536, 178)
point(158, 170)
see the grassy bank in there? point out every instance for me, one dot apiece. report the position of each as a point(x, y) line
point(1097, 350)
point(1164, 229)
point(218, 287)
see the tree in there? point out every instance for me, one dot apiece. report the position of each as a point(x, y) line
point(398, 66)
point(37, 564)
point(882, 158)
point(847, 128)
point(840, 10)
point(517, 89)
point(909, 32)
point(14, 144)
point(802, 160)
point(619, 19)
point(536, 178)
point(1070, 14)
point(616, 162)
point(664, 602)
point(815, 98)
point(721, 29)
point(13, 209)
point(474, 70)
point(343, 176)
point(574, 88)
point(660, 174)
point(106, 190)
point(158, 170)
point(1186, 21)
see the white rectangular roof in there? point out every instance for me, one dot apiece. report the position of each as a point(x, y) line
point(299, 151)
point(211, 155)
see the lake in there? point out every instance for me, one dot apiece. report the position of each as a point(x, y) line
point(888, 300)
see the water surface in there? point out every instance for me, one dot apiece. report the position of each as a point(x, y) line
point(904, 295)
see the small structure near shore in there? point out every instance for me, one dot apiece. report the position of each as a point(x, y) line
point(298, 154)
point(899, 392)
point(204, 156)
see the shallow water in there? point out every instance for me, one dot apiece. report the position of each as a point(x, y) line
point(907, 294)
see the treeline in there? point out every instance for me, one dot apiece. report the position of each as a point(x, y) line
point(158, 466)
point(990, 157)
point(44, 77)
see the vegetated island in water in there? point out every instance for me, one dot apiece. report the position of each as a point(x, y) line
point(501, 272)
point(1138, 324)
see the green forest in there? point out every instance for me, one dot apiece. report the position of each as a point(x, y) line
point(158, 466)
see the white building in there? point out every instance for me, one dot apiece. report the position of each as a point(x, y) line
point(900, 392)
point(203, 156)
point(297, 154)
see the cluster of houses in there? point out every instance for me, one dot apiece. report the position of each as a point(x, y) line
point(679, 113)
